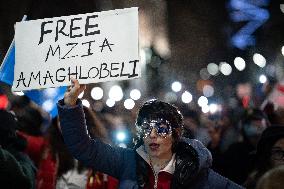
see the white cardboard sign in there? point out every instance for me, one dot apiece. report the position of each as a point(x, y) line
point(93, 47)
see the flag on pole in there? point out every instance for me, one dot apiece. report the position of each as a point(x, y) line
point(7, 66)
point(47, 98)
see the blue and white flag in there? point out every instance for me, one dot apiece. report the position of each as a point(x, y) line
point(7, 66)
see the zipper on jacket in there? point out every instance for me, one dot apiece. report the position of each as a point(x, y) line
point(155, 176)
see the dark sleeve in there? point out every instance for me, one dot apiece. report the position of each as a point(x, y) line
point(16, 172)
point(237, 162)
point(91, 152)
point(217, 181)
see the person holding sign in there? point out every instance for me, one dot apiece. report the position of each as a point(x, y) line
point(161, 158)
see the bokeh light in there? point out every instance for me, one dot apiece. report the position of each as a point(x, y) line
point(212, 68)
point(97, 93)
point(115, 93)
point(262, 78)
point(259, 60)
point(204, 74)
point(19, 93)
point(202, 101)
point(135, 94)
point(208, 90)
point(176, 86)
point(110, 103)
point(120, 136)
point(186, 97)
point(240, 63)
point(225, 68)
point(129, 104)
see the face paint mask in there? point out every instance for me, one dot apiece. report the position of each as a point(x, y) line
point(161, 126)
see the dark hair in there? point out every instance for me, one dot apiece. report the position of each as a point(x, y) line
point(94, 125)
point(263, 154)
point(30, 121)
point(191, 114)
point(59, 149)
point(268, 138)
point(155, 109)
point(8, 126)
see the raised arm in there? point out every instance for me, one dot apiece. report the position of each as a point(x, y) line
point(92, 152)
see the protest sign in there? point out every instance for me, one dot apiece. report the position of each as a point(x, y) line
point(93, 47)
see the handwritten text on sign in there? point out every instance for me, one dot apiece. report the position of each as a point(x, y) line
point(93, 47)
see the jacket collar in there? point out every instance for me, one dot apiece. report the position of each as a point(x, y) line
point(170, 167)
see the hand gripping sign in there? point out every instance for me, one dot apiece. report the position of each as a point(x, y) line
point(93, 47)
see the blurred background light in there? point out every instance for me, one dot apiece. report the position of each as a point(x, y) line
point(240, 63)
point(143, 56)
point(176, 86)
point(204, 74)
point(122, 145)
point(170, 97)
point(129, 104)
point(212, 68)
point(135, 94)
point(202, 101)
point(50, 92)
point(115, 93)
point(262, 78)
point(4, 101)
point(20, 93)
point(97, 93)
point(205, 109)
point(282, 50)
point(208, 90)
point(186, 97)
point(48, 105)
point(120, 136)
point(282, 8)
point(259, 60)
point(213, 108)
point(225, 68)
point(110, 103)
point(270, 70)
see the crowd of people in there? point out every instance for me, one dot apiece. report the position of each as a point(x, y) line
point(173, 147)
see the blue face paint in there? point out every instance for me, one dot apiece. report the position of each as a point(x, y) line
point(162, 127)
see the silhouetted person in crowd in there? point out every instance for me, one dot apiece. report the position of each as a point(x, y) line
point(214, 146)
point(222, 133)
point(270, 154)
point(238, 159)
point(16, 169)
point(193, 128)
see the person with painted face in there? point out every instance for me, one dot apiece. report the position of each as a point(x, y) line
point(162, 159)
